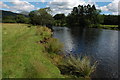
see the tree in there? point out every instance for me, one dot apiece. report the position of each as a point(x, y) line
point(84, 16)
point(110, 20)
point(22, 19)
point(41, 17)
point(8, 19)
point(60, 20)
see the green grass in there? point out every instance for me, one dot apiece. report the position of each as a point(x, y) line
point(30, 52)
point(22, 56)
point(77, 67)
point(109, 25)
point(53, 46)
point(112, 27)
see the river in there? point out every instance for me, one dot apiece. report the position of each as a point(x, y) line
point(100, 44)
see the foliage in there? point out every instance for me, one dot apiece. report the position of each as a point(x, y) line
point(21, 19)
point(8, 13)
point(41, 17)
point(44, 32)
point(110, 20)
point(111, 27)
point(56, 58)
point(59, 20)
point(78, 67)
point(53, 46)
point(8, 19)
point(84, 16)
point(59, 16)
point(29, 59)
point(18, 18)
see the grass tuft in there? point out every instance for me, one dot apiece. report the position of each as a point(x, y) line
point(44, 32)
point(77, 67)
point(53, 46)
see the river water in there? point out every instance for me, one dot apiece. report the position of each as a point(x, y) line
point(99, 44)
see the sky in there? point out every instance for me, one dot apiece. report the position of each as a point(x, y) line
point(59, 6)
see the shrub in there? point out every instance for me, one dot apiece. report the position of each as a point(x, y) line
point(78, 67)
point(44, 32)
point(53, 46)
point(56, 59)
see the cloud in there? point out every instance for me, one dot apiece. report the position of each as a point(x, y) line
point(112, 7)
point(22, 6)
point(42, 1)
point(59, 6)
point(119, 7)
point(3, 5)
point(19, 6)
point(64, 6)
point(115, 13)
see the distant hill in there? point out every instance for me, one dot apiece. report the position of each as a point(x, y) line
point(11, 17)
point(25, 13)
point(9, 13)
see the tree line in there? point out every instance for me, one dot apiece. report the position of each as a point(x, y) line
point(110, 20)
point(85, 16)
point(82, 16)
point(41, 17)
point(15, 19)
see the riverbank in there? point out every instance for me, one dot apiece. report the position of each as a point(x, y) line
point(111, 27)
point(31, 52)
point(22, 56)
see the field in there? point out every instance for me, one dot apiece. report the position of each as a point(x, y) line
point(112, 27)
point(22, 56)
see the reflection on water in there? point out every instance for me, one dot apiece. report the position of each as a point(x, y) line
point(101, 45)
point(65, 37)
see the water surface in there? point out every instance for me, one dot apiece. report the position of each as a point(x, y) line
point(100, 44)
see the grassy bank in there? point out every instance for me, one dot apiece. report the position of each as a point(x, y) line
point(31, 52)
point(23, 57)
point(111, 27)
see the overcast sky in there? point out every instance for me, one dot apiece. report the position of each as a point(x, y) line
point(59, 6)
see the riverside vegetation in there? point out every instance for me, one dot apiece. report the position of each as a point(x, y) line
point(23, 57)
point(83, 16)
point(31, 52)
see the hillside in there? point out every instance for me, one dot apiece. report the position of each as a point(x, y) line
point(9, 13)
point(11, 17)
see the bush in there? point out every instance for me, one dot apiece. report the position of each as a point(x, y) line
point(44, 32)
point(77, 67)
point(53, 46)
